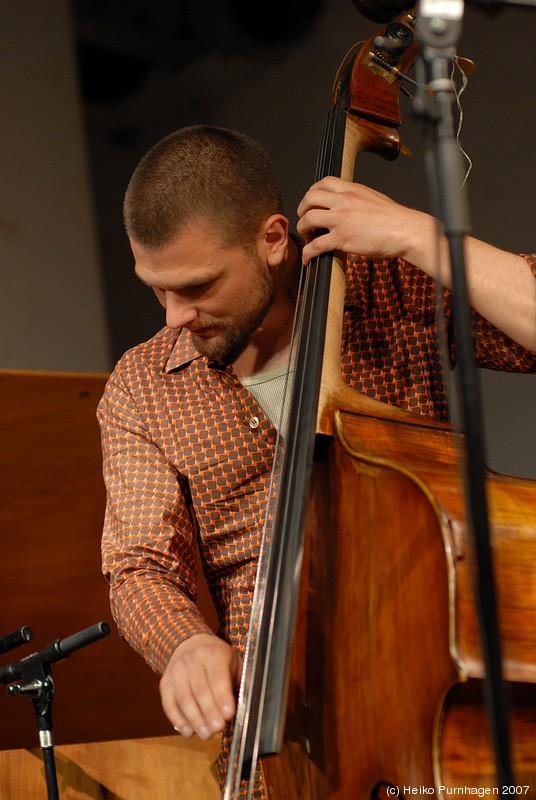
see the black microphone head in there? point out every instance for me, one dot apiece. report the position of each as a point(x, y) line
point(382, 10)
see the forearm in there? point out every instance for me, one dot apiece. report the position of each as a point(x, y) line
point(501, 286)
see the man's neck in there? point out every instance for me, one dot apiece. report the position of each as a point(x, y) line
point(270, 345)
point(251, 362)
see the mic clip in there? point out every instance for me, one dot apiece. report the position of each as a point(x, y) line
point(439, 24)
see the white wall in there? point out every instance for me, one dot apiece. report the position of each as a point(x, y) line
point(51, 303)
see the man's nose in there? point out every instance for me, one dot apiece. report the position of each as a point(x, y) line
point(178, 312)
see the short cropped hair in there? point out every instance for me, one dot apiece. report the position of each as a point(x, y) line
point(202, 173)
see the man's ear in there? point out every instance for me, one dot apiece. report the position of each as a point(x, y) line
point(274, 238)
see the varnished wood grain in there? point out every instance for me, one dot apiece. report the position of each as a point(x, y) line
point(466, 749)
point(387, 628)
point(432, 458)
point(163, 768)
point(52, 501)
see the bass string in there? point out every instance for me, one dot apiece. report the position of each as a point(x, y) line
point(330, 134)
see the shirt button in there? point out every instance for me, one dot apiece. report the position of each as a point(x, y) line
point(254, 422)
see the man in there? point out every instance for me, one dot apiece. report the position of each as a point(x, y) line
point(187, 444)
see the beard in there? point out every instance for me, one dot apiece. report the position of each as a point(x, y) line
point(228, 339)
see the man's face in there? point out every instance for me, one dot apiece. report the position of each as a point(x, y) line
point(221, 294)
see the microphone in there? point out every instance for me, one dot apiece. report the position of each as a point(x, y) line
point(57, 651)
point(383, 10)
point(15, 639)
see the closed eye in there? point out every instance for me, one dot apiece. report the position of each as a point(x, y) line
point(190, 289)
point(195, 289)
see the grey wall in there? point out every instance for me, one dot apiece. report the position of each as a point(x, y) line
point(277, 94)
point(51, 302)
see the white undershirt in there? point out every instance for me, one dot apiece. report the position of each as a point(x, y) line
point(268, 389)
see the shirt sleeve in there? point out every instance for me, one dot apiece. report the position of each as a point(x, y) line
point(149, 539)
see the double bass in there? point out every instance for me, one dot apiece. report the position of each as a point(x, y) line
point(364, 667)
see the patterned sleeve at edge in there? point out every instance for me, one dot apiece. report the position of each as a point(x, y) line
point(148, 544)
point(531, 259)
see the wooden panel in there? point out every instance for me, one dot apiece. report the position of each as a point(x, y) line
point(164, 768)
point(51, 510)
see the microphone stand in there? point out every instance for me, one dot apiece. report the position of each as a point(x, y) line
point(38, 683)
point(439, 26)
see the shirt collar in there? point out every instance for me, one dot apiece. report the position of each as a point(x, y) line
point(182, 353)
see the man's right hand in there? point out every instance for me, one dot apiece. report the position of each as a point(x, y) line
point(196, 687)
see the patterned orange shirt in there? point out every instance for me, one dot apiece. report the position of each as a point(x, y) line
point(188, 452)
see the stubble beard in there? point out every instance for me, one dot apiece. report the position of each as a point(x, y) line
point(225, 346)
